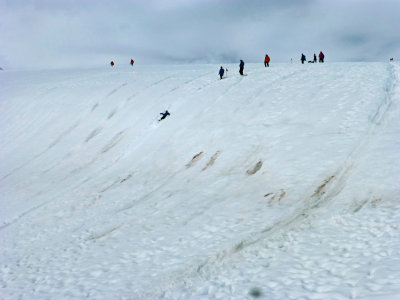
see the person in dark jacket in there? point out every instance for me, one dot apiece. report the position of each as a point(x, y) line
point(112, 64)
point(266, 60)
point(303, 58)
point(132, 62)
point(221, 72)
point(321, 57)
point(164, 115)
point(241, 67)
point(315, 58)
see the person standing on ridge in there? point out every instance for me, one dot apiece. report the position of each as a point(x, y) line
point(112, 64)
point(241, 67)
point(303, 58)
point(221, 72)
point(321, 57)
point(315, 58)
point(132, 62)
point(266, 60)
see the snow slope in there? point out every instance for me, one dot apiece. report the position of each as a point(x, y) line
point(283, 184)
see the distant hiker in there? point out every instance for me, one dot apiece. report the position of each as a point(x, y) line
point(315, 58)
point(266, 60)
point(132, 62)
point(112, 64)
point(391, 59)
point(303, 58)
point(221, 72)
point(321, 57)
point(164, 115)
point(241, 67)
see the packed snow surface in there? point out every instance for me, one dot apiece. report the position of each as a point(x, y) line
point(282, 184)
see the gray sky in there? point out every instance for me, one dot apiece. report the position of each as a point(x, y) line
point(70, 33)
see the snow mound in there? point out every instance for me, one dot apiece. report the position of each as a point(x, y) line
point(280, 185)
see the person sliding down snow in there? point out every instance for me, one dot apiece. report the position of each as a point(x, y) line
point(221, 72)
point(164, 115)
point(241, 67)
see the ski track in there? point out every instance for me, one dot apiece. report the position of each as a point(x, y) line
point(52, 145)
point(144, 136)
point(113, 142)
point(59, 139)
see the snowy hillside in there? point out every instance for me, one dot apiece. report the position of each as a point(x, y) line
point(283, 184)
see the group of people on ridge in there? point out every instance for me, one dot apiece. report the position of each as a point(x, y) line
point(112, 63)
point(267, 59)
point(222, 70)
point(321, 57)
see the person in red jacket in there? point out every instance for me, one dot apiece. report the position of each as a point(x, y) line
point(266, 60)
point(112, 64)
point(321, 57)
point(132, 62)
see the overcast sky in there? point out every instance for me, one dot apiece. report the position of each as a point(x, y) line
point(70, 33)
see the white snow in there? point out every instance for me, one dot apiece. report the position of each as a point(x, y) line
point(283, 184)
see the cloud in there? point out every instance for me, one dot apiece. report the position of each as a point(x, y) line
point(51, 34)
